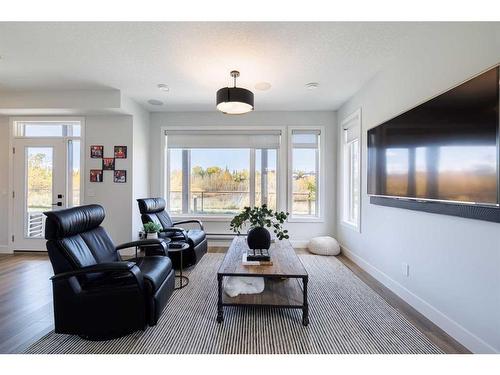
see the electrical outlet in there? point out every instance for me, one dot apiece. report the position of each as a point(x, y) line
point(405, 268)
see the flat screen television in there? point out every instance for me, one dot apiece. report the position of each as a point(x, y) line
point(444, 150)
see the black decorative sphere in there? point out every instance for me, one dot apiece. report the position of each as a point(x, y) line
point(259, 238)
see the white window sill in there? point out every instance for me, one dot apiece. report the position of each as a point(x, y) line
point(352, 226)
point(305, 219)
point(222, 218)
point(203, 218)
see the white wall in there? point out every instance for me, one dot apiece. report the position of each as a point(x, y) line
point(110, 131)
point(300, 232)
point(4, 183)
point(140, 154)
point(19, 101)
point(454, 262)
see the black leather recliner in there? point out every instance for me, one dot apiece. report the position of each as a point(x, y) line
point(96, 294)
point(153, 210)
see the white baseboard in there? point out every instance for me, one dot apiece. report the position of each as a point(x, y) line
point(299, 244)
point(5, 249)
point(455, 330)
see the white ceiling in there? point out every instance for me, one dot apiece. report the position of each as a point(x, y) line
point(195, 59)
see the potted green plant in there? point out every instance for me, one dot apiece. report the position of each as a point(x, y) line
point(260, 218)
point(152, 230)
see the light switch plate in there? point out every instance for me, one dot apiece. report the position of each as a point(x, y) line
point(405, 268)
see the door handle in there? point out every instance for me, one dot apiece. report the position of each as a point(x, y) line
point(57, 204)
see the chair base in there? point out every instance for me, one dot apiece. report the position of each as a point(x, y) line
point(106, 337)
point(183, 281)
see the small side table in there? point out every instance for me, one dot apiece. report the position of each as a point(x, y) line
point(155, 249)
point(174, 247)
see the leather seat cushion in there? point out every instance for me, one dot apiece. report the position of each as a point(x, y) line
point(155, 270)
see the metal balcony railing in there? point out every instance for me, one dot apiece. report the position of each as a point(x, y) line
point(36, 225)
point(224, 202)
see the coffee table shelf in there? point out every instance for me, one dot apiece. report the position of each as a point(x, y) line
point(277, 293)
point(285, 280)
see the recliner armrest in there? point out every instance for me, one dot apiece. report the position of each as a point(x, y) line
point(190, 221)
point(177, 230)
point(96, 268)
point(110, 267)
point(147, 242)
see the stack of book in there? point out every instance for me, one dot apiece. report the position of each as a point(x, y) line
point(252, 260)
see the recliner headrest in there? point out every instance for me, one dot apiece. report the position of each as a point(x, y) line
point(72, 221)
point(151, 205)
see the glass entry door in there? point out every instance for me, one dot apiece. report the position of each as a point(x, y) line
point(40, 184)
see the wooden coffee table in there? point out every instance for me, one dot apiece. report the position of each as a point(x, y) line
point(285, 281)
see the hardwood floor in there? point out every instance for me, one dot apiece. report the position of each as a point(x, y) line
point(26, 312)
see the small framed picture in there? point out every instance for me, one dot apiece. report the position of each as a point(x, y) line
point(120, 176)
point(96, 175)
point(120, 152)
point(96, 152)
point(108, 164)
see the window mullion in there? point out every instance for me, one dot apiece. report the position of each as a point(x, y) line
point(186, 177)
point(252, 178)
point(264, 198)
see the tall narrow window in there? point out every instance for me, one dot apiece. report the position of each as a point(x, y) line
point(74, 173)
point(305, 160)
point(351, 170)
point(218, 173)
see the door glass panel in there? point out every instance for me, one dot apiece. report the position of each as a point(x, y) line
point(74, 172)
point(39, 181)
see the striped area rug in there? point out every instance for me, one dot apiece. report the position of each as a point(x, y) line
point(346, 316)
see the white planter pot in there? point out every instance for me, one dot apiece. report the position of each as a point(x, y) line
point(151, 236)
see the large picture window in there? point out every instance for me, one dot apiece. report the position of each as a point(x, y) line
point(219, 173)
point(305, 173)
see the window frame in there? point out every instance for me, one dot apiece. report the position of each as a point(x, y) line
point(347, 195)
point(165, 167)
point(320, 173)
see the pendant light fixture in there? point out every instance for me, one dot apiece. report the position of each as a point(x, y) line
point(234, 100)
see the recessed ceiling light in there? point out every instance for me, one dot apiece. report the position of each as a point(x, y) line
point(263, 86)
point(155, 102)
point(163, 87)
point(312, 85)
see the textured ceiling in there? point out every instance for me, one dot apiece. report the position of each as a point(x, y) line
point(195, 59)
